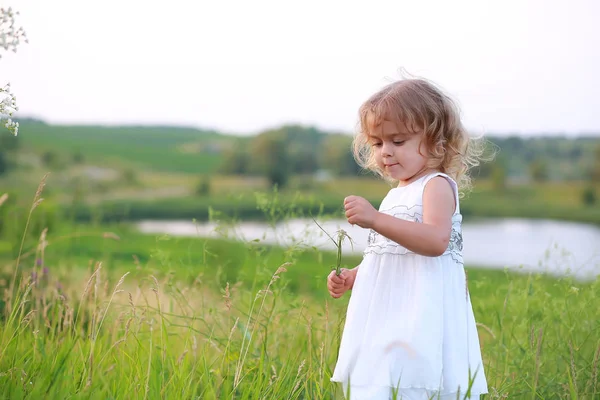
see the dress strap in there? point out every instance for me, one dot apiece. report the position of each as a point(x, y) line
point(452, 183)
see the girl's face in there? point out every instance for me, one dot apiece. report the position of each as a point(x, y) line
point(399, 152)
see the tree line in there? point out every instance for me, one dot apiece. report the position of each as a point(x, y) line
point(289, 150)
point(298, 150)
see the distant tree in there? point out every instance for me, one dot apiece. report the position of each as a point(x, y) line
point(129, 176)
point(3, 163)
point(236, 159)
point(336, 155)
point(498, 174)
point(482, 171)
point(553, 149)
point(575, 153)
point(270, 156)
point(278, 153)
point(303, 147)
point(8, 144)
point(588, 196)
point(511, 144)
point(303, 160)
point(499, 177)
point(203, 188)
point(595, 173)
point(306, 137)
point(78, 157)
point(538, 170)
point(49, 158)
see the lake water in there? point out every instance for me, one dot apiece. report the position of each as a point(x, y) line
point(554, 247)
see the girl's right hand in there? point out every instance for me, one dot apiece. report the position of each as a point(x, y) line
point(338, 285)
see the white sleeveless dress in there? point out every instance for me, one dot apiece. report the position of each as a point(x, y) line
point(410, 323)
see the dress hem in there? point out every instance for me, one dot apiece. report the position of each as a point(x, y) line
point(424, 387)
point(436, 390)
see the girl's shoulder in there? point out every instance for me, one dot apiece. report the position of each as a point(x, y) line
point(418, 186)
point(425, 180)
point(410, 197)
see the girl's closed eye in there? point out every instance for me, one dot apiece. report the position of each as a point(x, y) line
point(399, 142)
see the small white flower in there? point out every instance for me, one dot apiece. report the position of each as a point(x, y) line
point(12, 126)
point(10, 37)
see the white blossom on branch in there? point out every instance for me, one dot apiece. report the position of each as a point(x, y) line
point(10, 38)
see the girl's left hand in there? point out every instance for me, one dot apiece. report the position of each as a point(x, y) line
point(359, 211)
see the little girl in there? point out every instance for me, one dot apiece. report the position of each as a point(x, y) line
point(410, 331)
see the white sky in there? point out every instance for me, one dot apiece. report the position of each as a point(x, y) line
point(242, 66)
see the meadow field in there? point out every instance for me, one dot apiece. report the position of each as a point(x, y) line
point(92, 308)
point(101, 311)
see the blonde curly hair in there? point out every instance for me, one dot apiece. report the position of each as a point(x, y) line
point(421, 107)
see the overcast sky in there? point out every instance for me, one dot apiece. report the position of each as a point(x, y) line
point(241, 66)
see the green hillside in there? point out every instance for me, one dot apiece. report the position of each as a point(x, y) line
point(167, 149)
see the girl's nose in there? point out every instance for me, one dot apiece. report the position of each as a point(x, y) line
point(386, 149)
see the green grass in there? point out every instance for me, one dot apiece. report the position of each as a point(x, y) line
point(110, 313)
point(219, 322)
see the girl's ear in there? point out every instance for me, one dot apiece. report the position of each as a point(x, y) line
point(440, 149)
point(424, 147)
point(436, 150)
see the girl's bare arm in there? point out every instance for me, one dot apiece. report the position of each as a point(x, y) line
point(429, 238)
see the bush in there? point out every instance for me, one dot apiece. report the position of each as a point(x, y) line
point(50, 159)
point(129, 177)
point(588, 196)
point(203, 188)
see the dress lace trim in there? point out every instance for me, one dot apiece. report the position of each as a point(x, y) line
point(379, 244)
